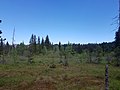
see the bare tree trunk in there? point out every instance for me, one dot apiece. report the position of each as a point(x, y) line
point(106, 78)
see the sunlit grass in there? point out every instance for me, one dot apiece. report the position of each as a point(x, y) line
point(75, 76)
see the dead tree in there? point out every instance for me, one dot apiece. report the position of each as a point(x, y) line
point(106, 78)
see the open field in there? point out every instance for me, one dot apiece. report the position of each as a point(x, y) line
point(41, 76)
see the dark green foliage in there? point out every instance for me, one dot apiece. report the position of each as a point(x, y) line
point(32, 39)
point(39, 46)
point(44, 50)
point(30, 60)
point(60, 46)
point(7, 48)
point(31, 49)
point(43, 43)
point(1, 46)
point(117, 38)
point(117, 47)
point(47, 42)
point(117, 56)
point(33, 45)
point(21, 48)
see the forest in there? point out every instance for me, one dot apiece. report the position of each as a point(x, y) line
point(42, 65)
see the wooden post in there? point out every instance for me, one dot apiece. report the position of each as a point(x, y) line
point(106, 78)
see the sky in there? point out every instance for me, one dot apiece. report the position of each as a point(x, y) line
point(76, 21)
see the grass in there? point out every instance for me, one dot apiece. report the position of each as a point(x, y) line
point(39, 76)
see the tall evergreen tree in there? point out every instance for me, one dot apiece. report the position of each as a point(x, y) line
point(1, 46)
point(59, 45)
point(117, 47)
point(47, 42)
point(31, 39)
point(7, 48)
point(117, 38)
point(39, 46)
point(34, 44)
point(1, 42)
point(117, 41)
point(42, 43)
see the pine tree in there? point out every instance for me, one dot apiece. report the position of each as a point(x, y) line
point(47, 42)
point(117, 38)
point(39, 46)
point(7, 48)
point(31, 39)
point(34, 44)
point(42, 43)
point(59, 45)
point(1, 47)
point(1, 42)
point(117, 47)
point(117, 41)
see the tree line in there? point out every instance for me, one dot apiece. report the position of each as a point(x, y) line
point(40, 46)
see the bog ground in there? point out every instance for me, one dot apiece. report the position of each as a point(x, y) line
point(50, 74)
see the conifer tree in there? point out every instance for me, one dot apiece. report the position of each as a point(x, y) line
point(7, 48)
point(59, 45)
point(117, 47)
point(39, 46)
point(42, 43)
point(34, 44)
point(2, 46)
point(47, 42)
point(117, 42)
point(31, 39)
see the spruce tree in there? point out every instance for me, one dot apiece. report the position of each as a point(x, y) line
point(47, 42)
point(39, 46)
point(42, 43)
point(2, 46)
point(117, 47)
point(7, 48)
point(117, 41)
point(117, 38)
point(59, 45)
point(34, 44)
point(31, 39)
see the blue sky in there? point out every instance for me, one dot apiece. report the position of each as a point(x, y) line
point(76, 21)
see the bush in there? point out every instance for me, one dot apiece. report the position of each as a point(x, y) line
point(52, 66)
